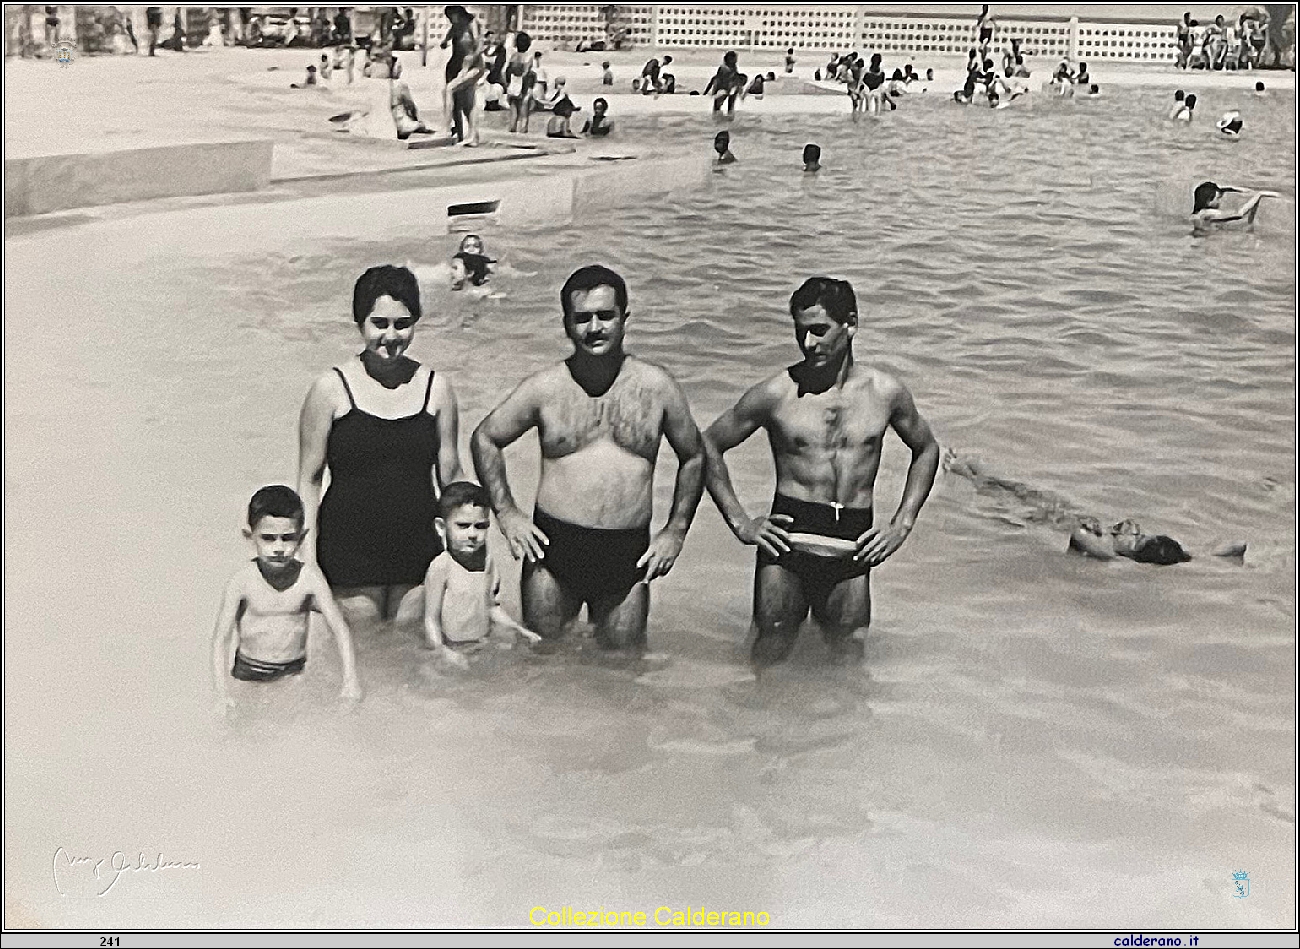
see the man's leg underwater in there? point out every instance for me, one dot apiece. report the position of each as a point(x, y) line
point(780, 607)
point(547, 606)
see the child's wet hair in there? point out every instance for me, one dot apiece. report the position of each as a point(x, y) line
point(462, 493)
point(835, 296)
point(385, 281)
point(275, 500)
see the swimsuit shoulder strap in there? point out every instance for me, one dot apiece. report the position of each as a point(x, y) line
point(346, 388)
point(428, 392)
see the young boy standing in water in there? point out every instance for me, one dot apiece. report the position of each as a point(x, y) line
point(267, 604)
point(462, 590)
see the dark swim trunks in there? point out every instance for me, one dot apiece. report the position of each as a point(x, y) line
point(846, 523)
point(593, 562)
point(255, 670)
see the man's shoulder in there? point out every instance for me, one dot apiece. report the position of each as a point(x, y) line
point(648, 372)
point(880, 380)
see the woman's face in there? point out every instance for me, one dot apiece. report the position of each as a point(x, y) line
point(388, 329)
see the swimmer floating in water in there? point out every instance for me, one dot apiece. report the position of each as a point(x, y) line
point(1207, 215)
point(1127, 539)
point(812, 157)
point(470, 264)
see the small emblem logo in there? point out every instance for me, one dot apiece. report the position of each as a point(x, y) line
point(1240, 884)
point(63, 54)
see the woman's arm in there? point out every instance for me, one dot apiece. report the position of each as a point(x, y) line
point(313, 436)
point(447, 468)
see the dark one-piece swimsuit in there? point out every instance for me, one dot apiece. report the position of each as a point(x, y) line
point(376, 519)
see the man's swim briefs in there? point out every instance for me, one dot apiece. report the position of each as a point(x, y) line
point(810, 517)
point(593, 562)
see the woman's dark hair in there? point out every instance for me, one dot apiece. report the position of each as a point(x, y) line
point(1161, 550)
point(1205, 192)
point(457, 13)
point(385, 281)
point(1179, 95)
point(588, 278)
point(729, 58)
point(1190, 102)
point(835, 296)
point(811, 153)
point(523, 42)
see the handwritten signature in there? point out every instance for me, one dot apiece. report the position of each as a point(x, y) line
point(81, 876)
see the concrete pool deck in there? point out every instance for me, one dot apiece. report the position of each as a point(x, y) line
point(123, 131)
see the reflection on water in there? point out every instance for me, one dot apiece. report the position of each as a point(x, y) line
point(1032, 739)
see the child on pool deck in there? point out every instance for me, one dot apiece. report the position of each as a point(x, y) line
point(462, 590)
point(266, 605)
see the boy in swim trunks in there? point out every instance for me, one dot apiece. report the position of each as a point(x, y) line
point(826, 419)
point(266, 605)
point(462, 590)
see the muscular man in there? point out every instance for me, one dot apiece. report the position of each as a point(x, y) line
point(600, 416)
point(825, 418)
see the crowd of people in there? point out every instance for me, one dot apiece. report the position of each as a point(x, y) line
point(1224, 43)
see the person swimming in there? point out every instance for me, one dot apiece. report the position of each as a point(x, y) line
point(1260, 90)
point(1208, 215)
point(1179, 96)
point(1127, 539)
point(1186, 111)
point(1230, 125)
point(469, 264)
point(598, 126)
point(812, 157)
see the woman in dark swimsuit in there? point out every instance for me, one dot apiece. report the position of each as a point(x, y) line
point(465, 66)
point(386, 428)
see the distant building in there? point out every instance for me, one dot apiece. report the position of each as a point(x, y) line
point(842, 27)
